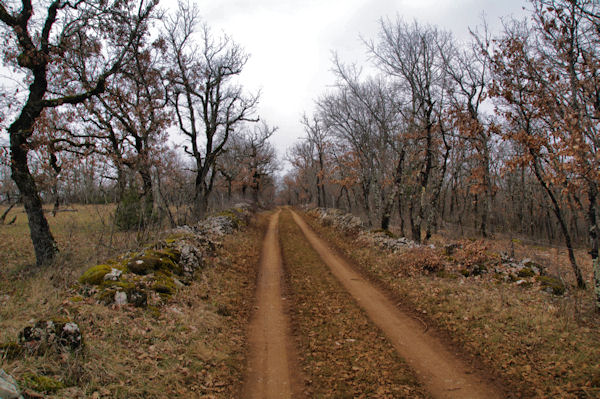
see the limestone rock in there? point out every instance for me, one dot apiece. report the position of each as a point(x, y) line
point(8, 387)
point(120, 298)
point(343, 221)
point(191, 260)
point(165, 266)
point(113, 275)
point(49, 334)
point(383, 241)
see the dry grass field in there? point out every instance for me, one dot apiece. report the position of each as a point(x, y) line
point(193, 346)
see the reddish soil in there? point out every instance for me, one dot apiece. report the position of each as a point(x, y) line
point(270, 365)
point(442, 373)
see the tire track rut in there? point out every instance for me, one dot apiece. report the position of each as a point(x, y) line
point(442, 373)
point(270, 373)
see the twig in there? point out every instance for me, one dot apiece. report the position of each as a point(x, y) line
point(5, 213)
point(424, 324)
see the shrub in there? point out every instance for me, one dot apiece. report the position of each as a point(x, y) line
point(474, 256)
point(422, 259)
point(133, 212)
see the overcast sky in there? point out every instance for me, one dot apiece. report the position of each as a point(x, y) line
point(290, 42)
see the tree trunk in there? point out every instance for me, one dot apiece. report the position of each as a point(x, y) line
point(487, 195)
point(44, 244)
point(561, 222)
point(367, 206)
point(255, 188)
point(594, 236)
point(147, 194)
point(415, 229)
point(596, 266)
point(19, 131)
point(391, 198)
point(56, 205)
point(348, 199)
point(121, 183)
point(321, 194)
point(401, 215)
point(423, 182)
point(200, 207)
point(318, 184)
point(434, 212)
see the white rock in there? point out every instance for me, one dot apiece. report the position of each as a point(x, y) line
point(178, 283)
point(175, 310)
point(8, 387)
point(113, 275)
point(120, 298)
point(71, 328)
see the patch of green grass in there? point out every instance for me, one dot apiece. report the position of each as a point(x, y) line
point(42, 383)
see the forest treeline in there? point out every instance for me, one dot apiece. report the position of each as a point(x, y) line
point(496, 134)
point(100, 86)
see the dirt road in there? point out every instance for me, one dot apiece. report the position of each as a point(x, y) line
point(322, 314)
point(268, 375)
point(442, 373)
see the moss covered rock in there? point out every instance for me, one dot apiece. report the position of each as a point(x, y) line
point(170, 253)
point(95, 275)
point(57, 334)
point(526, 272)
point(552, 284)
point(233, 215)
point(107, 296)
point(150, 262)
point(119, 285)
point(164, 284)
point(153, 274)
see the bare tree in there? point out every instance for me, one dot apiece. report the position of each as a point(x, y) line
point(46, 50)
point(208, 103)
point(521, 95)
point(129, 122)
point(351, 123)
point(259, 156)
point(379, 98)
point(412, 55)
point(469, 72)
point(316, 134)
